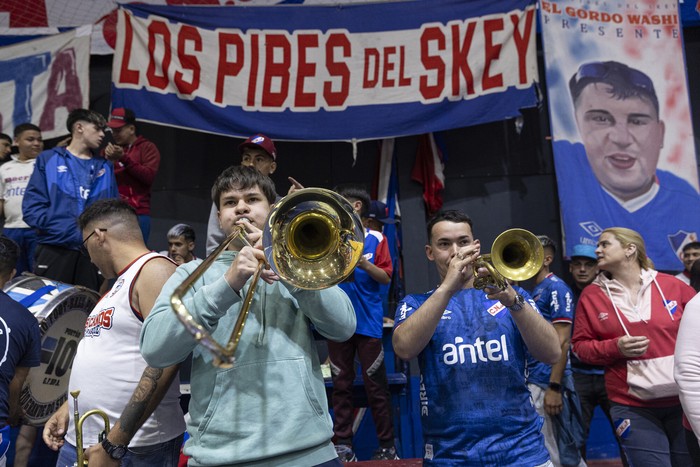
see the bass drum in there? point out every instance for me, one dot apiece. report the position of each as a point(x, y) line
point(61, 310)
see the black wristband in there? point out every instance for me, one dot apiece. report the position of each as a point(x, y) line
point(555, 386)
point(115, 451)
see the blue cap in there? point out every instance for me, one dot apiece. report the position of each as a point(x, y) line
point(379, 211)
point(584, 251)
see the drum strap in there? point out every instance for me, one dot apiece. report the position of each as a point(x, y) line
point(36, 295)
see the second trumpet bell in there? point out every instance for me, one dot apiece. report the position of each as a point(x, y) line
point(516, 254)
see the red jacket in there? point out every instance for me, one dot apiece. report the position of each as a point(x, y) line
point(135, 173)
point(597, 330)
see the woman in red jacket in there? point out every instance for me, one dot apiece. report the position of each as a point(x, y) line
point(627, 320)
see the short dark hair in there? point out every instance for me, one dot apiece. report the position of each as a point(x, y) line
point(355, 192)
point(104, 208)
point(6, 137)
point(691, 246)
point(182, 230)
point(241, 177)
point(85, 115)
point(626, 82)
point(22, 127)
point(9, 253)
point(695, 275)
point(547, 242)
point(450, 215)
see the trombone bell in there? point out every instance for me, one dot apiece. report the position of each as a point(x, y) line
point(313, 239)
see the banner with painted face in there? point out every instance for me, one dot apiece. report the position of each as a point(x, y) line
point(327, 73)
point(43, 79)
point(623, 142)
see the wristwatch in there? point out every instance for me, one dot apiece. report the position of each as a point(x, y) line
point(115, 451)
point(555, 386)
point(518, 303)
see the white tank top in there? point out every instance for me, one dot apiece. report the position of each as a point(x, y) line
point(108, 366)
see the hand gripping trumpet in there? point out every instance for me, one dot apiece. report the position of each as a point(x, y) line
point(516, 254)
point(312, 240)
point(79, 420)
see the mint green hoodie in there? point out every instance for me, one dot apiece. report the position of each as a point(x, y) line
point(271, 407)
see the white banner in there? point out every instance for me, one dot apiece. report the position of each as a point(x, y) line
point(36, 17)
point(43, 79)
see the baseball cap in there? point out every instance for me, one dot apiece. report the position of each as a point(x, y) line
point(584, 251)
point(120, 117)
point(378, 211)
point(260, 141)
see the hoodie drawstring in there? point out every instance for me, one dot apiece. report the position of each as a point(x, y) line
point(262, 289)
point(617, 311)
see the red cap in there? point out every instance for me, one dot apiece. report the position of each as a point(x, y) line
point(260, 141)
point(120, 117)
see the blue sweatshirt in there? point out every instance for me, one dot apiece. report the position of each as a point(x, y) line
point(59, 190)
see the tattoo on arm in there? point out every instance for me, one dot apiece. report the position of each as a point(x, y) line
point(134, 413)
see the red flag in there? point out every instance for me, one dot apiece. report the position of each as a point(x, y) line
point(428, 171)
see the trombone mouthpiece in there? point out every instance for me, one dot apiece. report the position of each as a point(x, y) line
point(75, 394)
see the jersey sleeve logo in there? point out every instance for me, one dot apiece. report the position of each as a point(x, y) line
point(403, 311)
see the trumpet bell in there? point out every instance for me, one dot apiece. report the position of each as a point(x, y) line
point(313, 239)
point(517, 254)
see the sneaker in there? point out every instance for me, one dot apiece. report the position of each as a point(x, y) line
point(385, 454)
point(345, 453)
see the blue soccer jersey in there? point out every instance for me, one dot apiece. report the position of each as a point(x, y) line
point(555, 301)
point(363, 291)
point(474, 404)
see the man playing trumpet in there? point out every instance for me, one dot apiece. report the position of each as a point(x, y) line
point(472, 346)
point(271, 407)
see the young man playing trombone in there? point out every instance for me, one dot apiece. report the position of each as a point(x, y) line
point(472, 346)
point(270, 408)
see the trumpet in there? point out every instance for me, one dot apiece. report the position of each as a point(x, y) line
point(79, 420)
point(312, 239)
point(516, 255)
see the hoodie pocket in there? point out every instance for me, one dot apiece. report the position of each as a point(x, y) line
point(651, 378)
point(264, 409)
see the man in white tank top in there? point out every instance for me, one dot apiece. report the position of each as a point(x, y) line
point(141, 402)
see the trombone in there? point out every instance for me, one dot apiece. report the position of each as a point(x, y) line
point(516, 255)
point(79, 427)
point(312, 239)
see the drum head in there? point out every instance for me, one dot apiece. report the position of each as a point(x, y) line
point(61, 310)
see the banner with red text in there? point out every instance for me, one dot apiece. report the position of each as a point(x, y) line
point(43, 79)
point(325, 73)
point(623, 145)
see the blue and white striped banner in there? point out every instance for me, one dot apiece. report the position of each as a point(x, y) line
point(355, 72)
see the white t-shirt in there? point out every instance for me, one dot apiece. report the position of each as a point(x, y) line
point(14, 177)
point(108, 366)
